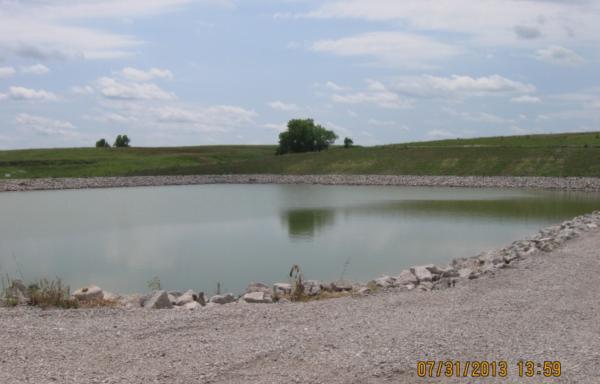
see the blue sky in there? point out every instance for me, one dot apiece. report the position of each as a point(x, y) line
point(184, 72)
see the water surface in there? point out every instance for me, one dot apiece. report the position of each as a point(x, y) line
point(198, 236)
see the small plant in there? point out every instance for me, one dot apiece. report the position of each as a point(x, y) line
point(46, 293)
point(8, 297)
point(154, 283)
point(297, 283)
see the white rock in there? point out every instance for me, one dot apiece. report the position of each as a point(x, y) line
point(257, 297)
point(282, 288)
point(192, 305)
point(406, 277)
point(422, 273)
point(312, 287)
point(385, 281)
point(223, 299)
point(158, 300)
point(188, 297)
point(258, 287)
point(89, 293)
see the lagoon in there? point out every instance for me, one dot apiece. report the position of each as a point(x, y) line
point(201, 236)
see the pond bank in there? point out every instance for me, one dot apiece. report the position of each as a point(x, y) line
point(591, 184)
point(541, 308)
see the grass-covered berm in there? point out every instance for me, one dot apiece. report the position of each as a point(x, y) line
point(568, 154)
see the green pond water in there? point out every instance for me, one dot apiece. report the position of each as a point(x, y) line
point(199, 236)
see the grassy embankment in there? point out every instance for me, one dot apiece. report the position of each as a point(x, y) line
point(573, 154)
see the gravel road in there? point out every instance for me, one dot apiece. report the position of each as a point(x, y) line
point(545, 307)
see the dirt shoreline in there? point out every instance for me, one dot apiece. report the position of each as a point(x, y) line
point(591, 184)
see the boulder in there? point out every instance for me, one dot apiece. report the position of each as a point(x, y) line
point(175, 294)
point(193, 305)
point(422, 273)
point(223, 299)
point(364, 291)
point(258, 287)
point(312, 287)
point(438, 270)
point(257, 297)
point(132, 301)
point(158, 300)
point(385, 281)
point(109, 296)
point(282, 288)
point(89, 293)
point(340, 286)
point(188, 297)
point(406, 277)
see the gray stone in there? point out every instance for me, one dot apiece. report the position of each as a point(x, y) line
point(175, 294)
point(444, 283)
point(282, 288)
point(193, 305)
point(312, 287)
point(422, 273)
point(89, 293)
point(188, 297)
point(223, 299)
point(258, 287)
point(385, 281)
point(406, 277)
point(340, 286)
point(158, 300)
point(364, 291)
point(257, 297)
point(438, 270)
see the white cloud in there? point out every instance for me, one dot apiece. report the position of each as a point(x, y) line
point(460, 85)
point(526, 99)
point(335, 87)
point(22, 93)
point(135, 74)
point(6, 72)
point(389, 48)
point(281, 106)
point(376, 93)
point(82, 90)
point(45, 126)
point(487, 23)
point(479, 117)
point(36, 69)
point(56, 29)
point(116, 89)
point(559, 55)
point(275, 126)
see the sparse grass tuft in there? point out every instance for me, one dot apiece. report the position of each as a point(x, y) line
point(51, 293)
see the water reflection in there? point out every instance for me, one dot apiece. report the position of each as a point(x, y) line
point(306, 223)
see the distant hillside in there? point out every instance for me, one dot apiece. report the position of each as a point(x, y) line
point(569, 154)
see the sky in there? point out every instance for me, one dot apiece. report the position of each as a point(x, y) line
point(202, 72)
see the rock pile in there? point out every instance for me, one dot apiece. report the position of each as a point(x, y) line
point(428, 277)
point(567, 183)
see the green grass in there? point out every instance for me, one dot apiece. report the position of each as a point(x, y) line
point(573, 154)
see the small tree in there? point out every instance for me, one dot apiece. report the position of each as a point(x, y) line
point(122, 141)
point(102, 143)
point(348, 142)
point(303, 135)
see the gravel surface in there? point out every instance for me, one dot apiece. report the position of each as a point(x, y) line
point(571, 183)
point(544, 307)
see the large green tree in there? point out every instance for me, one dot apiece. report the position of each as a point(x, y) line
point(303, 135)
point(122, 141)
